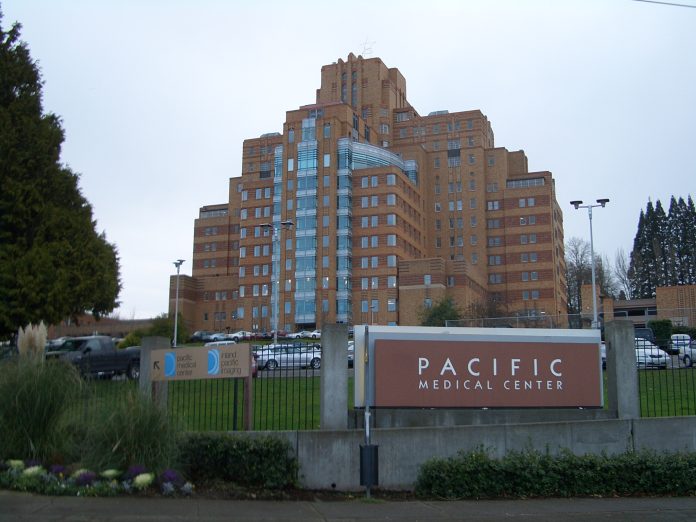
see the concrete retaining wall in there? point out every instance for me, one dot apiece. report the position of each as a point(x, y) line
point(331, 459)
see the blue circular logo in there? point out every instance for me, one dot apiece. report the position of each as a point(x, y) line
point(169, 364)
point(213, 362)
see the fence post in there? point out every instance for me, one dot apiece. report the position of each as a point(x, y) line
point(334, 377)
point(157, 391)
point(622, 376)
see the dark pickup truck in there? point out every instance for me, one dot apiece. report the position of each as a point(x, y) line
point(97, 356)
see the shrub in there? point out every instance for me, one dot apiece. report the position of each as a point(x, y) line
point(663, 331)
point(265, 462)
point(132, 431)
point(535, 474)
point(34, 399)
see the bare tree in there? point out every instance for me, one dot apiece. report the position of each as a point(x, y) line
point(578, 271)
point(621, 265)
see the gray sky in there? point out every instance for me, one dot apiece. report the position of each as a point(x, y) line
point(156, 98)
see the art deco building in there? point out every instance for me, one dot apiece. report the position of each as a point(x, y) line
point(364, 211)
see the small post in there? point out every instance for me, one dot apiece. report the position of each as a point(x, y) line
point(622, 375)
point(249, 394)
point(369, 455)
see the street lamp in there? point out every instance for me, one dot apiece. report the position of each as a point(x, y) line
point(177, 264)
point(275, 277)
point(600, 203)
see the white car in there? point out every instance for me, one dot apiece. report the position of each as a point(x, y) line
point(239, 336)
point(679, 343)
point(649, 355)
point(351, 353)
point(316, 334)
point(304, 334)
point(288, 355)
point(220, 343)
point(687, 353)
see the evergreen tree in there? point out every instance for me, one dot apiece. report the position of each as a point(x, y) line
point(664, 249)
point(439, 313)
point(53, 263)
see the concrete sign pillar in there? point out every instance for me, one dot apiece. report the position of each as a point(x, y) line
point(156, 390)
point(334, 377)
point(622, 376)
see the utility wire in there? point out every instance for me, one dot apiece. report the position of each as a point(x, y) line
point(666, 3)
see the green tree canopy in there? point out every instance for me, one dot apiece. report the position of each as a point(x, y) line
point(53, 262)
point(436, 315)
point(664, 249)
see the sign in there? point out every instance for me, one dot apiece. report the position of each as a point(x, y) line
point(207, 362)
point(486, 374)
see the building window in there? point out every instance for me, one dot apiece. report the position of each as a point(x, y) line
point(391, 199)
point(493, 205)
point(391, 305)
point(427, 303)
point(391, 281)
point(291, 164)
point(495, 260)
point(364, 283)
point(374, 283)
point(495, 279)
point(427, 279)
point(391, 240)
point(391, 261)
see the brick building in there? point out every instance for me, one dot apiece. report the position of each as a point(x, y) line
point(385, 211)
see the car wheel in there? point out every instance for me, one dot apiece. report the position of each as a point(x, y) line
point(315, 363)
point(133, 371)
point(272, 364)
point(687, 361)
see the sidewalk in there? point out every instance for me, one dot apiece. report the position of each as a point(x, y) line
point(28, 507)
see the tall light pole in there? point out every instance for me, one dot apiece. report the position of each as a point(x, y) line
point(275, 276)
point(177, 264)
point(600, 203)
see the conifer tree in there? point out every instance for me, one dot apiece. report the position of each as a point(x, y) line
point(53, 263)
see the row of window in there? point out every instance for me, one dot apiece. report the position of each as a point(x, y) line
point(373, 221)
point(372, 283)
point(524, 276)
point(373, 181)
point(458, 205)
point(373, 201)
point(457, 223)
point(373, 241)
point(496, 204)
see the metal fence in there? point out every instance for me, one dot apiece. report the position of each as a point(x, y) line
point(285, 390)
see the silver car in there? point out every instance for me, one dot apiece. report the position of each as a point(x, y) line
point(272, 356)
point(649, 355)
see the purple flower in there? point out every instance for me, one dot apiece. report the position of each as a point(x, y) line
point(30, 463)
point(134, 471)
point(85, 479)
point(172, 476)
point(57, 469)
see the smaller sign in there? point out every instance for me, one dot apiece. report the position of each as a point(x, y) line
point(207, 362)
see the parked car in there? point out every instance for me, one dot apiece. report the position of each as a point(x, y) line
point(226, 342)
point(302, 334)
point(241, 335)
point(316, 334)
point(686, 356)
point(645, 333)
point(603, 353)
point(679, 343)
point(97, 355)
point(648, 355)
point(218, 336)
point(200, 336)
point(287, 355)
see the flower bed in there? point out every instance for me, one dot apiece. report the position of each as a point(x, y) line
point(33, 477)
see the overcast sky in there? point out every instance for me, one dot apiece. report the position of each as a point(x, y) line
point(156, 98)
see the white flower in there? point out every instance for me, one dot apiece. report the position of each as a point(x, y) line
point(33, 471)
point(143, 480)
point(110, 473)
point(16, 464)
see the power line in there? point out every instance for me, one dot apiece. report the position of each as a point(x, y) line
point(666, 3)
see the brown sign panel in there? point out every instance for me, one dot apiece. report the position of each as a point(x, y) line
point(205, 362)
point(486, 374)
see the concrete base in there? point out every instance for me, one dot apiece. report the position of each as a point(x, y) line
point(331, 459)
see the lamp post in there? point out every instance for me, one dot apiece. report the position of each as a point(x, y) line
point(275, 276)
point(177, 264)
point(600, 203)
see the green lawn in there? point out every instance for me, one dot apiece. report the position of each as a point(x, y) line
point(291, 400)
